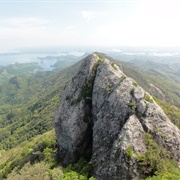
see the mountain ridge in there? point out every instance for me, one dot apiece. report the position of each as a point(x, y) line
point(23, 122)
point(108, 115)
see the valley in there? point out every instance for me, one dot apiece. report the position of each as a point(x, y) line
point(30, 97)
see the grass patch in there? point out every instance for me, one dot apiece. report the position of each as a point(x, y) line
point(86, 92)
point(149, 99)
point(76, 101)
point(135, 84)
point(123, 77)
point(110, 85)
point(80, 170)
point(139, 115)
point(156, 160)
point(94, 69)
point(100, 57)
point(129, 153)
point(113, 65)
point(132, 105)
point(109, 91)
point(87, 89)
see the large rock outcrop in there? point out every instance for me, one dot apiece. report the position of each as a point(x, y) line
point(104, 114)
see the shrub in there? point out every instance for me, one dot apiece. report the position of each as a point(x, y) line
point(132, 105)
point(123, 77)
point(135, 84)
point(37, 171)
point(100, 57)
point(76, 101)
point(149, 99)
point(110, 85)
point(87, 89)
point(156, 160)
point(129, 153)
point(113, 65)
point(109, 91)
point(80, 171)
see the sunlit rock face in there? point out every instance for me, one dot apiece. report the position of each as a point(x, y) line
point(104, 114)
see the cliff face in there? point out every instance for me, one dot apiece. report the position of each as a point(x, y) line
point(106, 116)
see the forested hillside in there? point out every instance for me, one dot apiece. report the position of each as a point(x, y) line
point(24, 119)
point(27, 106)
point(18, 69)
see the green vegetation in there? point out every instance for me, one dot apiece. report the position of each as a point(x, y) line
point(155, 73)
point(28, 105)
point(175, 175)
point(110, 85)
point(26, 114)
point(38, 159)
point(135, 84)
point(157, 131)
point(18, 69)
point(35, 171)
point(99, 56)
point(156, 160)
point(132, 105)
point(123, 77)
point(139, 115)
point(62, 64)
point(113, 65)
point(97, 64)
point(109, 92)
point(171, 111)
point(110, 88)
point(76, 101)
point(87, 89)
point(42, 148)
point(129, 153)
point(168, 82)
point(149, 99)
point(88, 86)
point(86, 92)
point(81, 170)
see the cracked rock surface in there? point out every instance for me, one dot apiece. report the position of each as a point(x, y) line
point(103, 113)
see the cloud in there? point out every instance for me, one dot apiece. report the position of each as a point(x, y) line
point(19, 22)
point(88, 15)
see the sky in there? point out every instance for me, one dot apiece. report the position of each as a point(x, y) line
point(40, 23)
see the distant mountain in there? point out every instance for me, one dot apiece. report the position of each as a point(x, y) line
point(61, 61)
point(27, 106)
point(47, 63)
point(61, 64)
point(164, 76)
point(170, 71)
point(62, 57)
point(18, 69)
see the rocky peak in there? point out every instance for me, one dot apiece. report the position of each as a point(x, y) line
point(105, 116)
